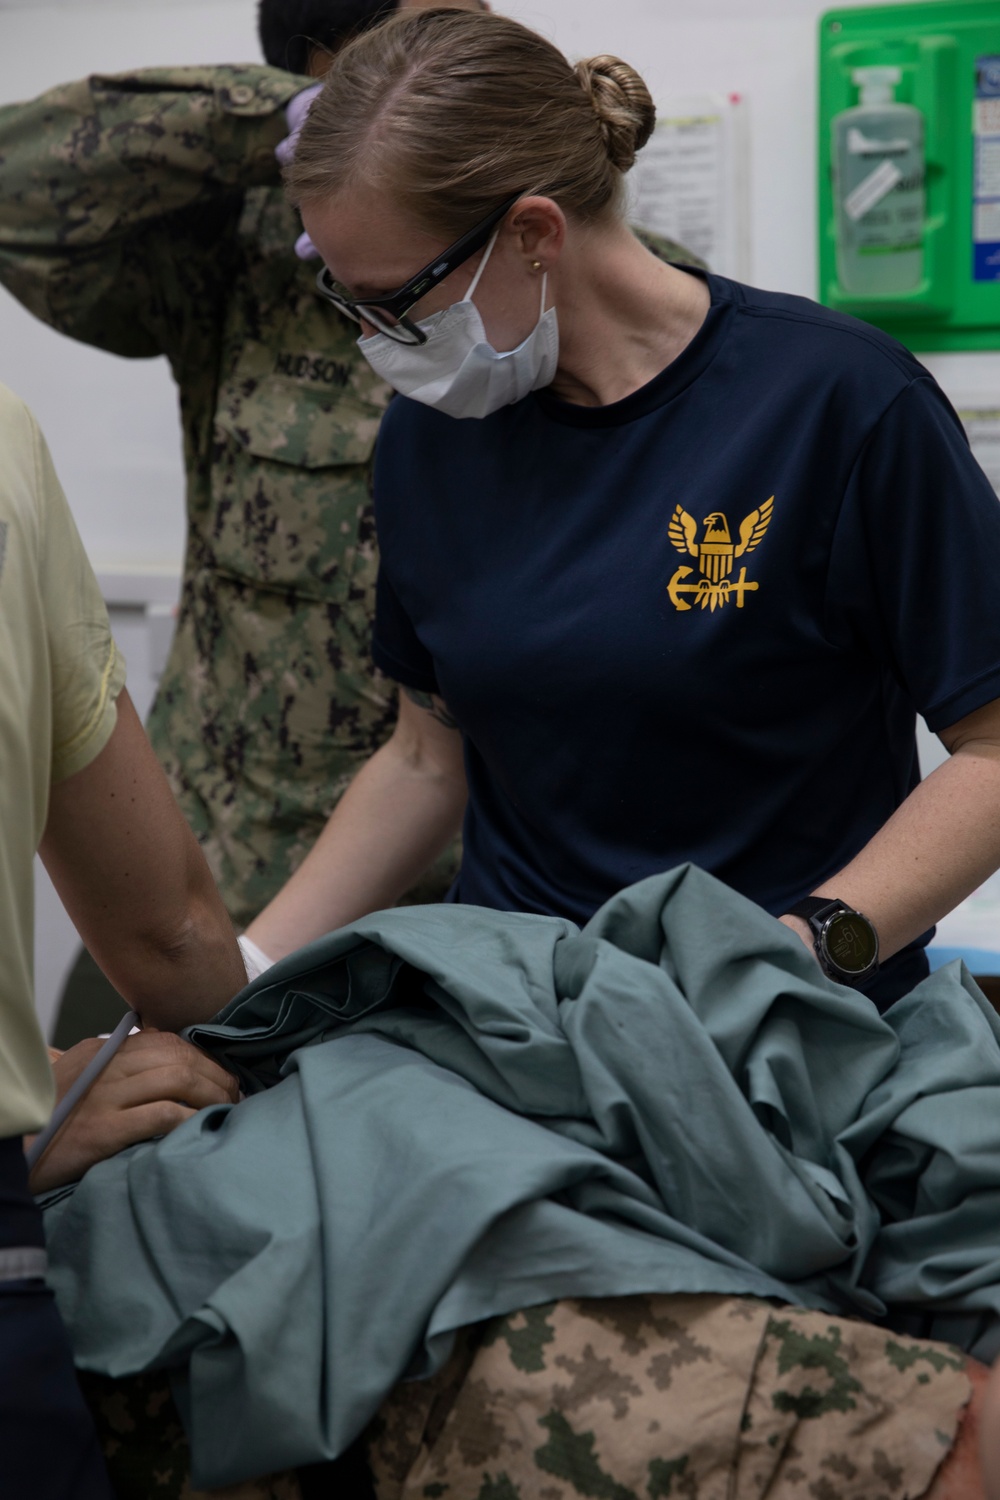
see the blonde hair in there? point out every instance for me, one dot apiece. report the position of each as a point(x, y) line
point(453, 111)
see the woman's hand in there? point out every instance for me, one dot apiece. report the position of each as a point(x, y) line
point(154, 1083)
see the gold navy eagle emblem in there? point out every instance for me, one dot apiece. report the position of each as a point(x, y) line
point(716, 554)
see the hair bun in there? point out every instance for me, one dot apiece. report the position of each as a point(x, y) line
point(623, 105)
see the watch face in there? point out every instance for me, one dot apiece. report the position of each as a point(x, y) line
point(851, 942)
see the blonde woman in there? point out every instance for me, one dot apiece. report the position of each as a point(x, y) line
point(668, 564)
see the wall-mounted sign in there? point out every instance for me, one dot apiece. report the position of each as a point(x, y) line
point(690, 182)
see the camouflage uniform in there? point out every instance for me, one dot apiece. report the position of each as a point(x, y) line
point(142, 213)
point(631, 1398)
point(638, 1398)
point(146, 1450)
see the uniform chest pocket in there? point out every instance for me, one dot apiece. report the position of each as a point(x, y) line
point(291, 492)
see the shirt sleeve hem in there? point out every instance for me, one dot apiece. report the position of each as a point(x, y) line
point(87, 744)
point(976, 694)
point(401, 672)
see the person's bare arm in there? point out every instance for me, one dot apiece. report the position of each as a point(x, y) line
point(989, 1439)
point(936, 848)
point(132, 877)
point(395, 818)
point(154, 1083)
point(960, 1476)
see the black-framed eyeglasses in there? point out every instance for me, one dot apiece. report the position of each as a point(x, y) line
point(388, 314)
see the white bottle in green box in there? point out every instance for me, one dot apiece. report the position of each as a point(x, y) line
point(878, 164)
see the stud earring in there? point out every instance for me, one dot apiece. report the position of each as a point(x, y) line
point(536, 265)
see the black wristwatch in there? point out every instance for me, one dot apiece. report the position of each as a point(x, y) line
point(846, 942)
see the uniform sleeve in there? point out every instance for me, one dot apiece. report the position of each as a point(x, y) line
point(87, 669)
point(396, 650)
point(115, 194)
point(915, 565)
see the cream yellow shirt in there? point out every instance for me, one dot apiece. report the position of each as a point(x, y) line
point(60, 674)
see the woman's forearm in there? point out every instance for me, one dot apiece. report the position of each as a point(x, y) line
point(395, 818)
point(939, 845)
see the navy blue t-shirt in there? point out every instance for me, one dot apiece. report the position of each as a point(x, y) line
point(695, 624)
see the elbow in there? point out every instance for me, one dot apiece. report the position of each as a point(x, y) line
point(419, 760)
point(184, 969)
point(173, 945)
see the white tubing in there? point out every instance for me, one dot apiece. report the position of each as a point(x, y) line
point(70, 1100)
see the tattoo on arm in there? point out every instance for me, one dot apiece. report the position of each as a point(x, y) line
point(433, 705)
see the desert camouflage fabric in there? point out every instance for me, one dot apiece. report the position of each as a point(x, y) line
point(639, 1398)
point(142, 213)
point(631, 1398)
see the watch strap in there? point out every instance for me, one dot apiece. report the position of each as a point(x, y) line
point(819, 912)
point(811, 906)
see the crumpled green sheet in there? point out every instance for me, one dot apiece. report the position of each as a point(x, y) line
point(475, 1111)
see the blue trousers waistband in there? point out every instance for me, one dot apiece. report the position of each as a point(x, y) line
point(20, 1217)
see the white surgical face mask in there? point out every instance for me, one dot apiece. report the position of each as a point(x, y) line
point(458, 371)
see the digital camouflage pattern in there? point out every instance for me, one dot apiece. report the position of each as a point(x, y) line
point(705, 1398)
point(630, 1398)
point(146, 1450)
point(142, 213)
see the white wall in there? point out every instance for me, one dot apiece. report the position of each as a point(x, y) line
point(112, 424)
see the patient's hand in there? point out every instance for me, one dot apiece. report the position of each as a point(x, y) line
point(154, 1082)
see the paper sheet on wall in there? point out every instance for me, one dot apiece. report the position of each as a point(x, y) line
point(982, 424)
point(690, 180)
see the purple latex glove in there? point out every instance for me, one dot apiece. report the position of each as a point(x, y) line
point(305, 249)
point(295, 113)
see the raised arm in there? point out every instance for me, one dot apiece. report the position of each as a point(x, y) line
point(117, 195)
point(399, 813)
point(131, 875)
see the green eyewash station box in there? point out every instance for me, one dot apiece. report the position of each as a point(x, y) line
point(909, 170)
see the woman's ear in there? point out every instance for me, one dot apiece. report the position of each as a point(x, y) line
point(540, 226)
